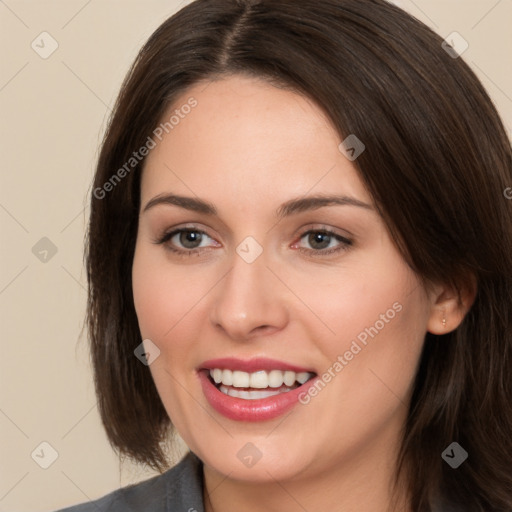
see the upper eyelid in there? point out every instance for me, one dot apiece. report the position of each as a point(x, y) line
point(171, 233)
point(226, 232)
point(302, 230)
point(175, 231)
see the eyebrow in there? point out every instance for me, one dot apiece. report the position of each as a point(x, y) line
point(293, 206)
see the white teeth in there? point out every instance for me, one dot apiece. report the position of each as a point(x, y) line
point(303, 377)
point(260, 379)
point(275, 378)
point(227, 377)
point(249, 395)
point(289, 378)
point(240, 379)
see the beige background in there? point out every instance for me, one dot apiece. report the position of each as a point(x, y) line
point(53, 115)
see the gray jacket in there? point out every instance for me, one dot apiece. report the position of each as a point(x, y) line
point(179, 489)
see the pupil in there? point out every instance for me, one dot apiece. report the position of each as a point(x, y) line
point(189, 238)
point(320, 238)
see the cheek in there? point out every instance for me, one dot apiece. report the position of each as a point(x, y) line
point(372, 359)
point(164, 297)
point(374, 319)
point(349, 305)
point(163, 294)
point(370, 362)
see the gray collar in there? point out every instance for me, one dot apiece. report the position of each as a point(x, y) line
point(185, 485)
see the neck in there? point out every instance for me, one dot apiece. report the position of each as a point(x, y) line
point(362, 483)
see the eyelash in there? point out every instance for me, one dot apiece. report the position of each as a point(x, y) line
point(345, 243)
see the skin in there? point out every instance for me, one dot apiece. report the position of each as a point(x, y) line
point(248, 147)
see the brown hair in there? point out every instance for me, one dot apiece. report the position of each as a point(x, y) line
point(437, 162)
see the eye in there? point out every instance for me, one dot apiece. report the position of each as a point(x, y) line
point(192, 241)
point(185, 241)
point(189, 239)
point(323, 242)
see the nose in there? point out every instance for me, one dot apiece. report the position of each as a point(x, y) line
point(250, 301)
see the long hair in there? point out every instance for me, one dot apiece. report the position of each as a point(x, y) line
point(437, 163)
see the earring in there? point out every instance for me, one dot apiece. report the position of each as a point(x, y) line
point(444, 319)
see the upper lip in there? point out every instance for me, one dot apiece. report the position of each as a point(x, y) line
point(251, 365)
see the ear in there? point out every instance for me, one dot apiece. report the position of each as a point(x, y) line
point(450, 305)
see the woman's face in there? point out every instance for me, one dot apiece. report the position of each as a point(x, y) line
point(266, 277)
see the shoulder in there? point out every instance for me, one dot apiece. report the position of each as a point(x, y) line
point(178, 489)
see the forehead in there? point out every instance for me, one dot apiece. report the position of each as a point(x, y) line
point(246, 138)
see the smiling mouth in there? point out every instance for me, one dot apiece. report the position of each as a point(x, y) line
point(257, 385)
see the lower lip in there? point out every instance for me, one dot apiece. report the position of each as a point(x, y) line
point(251, 410)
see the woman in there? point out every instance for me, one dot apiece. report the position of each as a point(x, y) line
point(299, 258)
